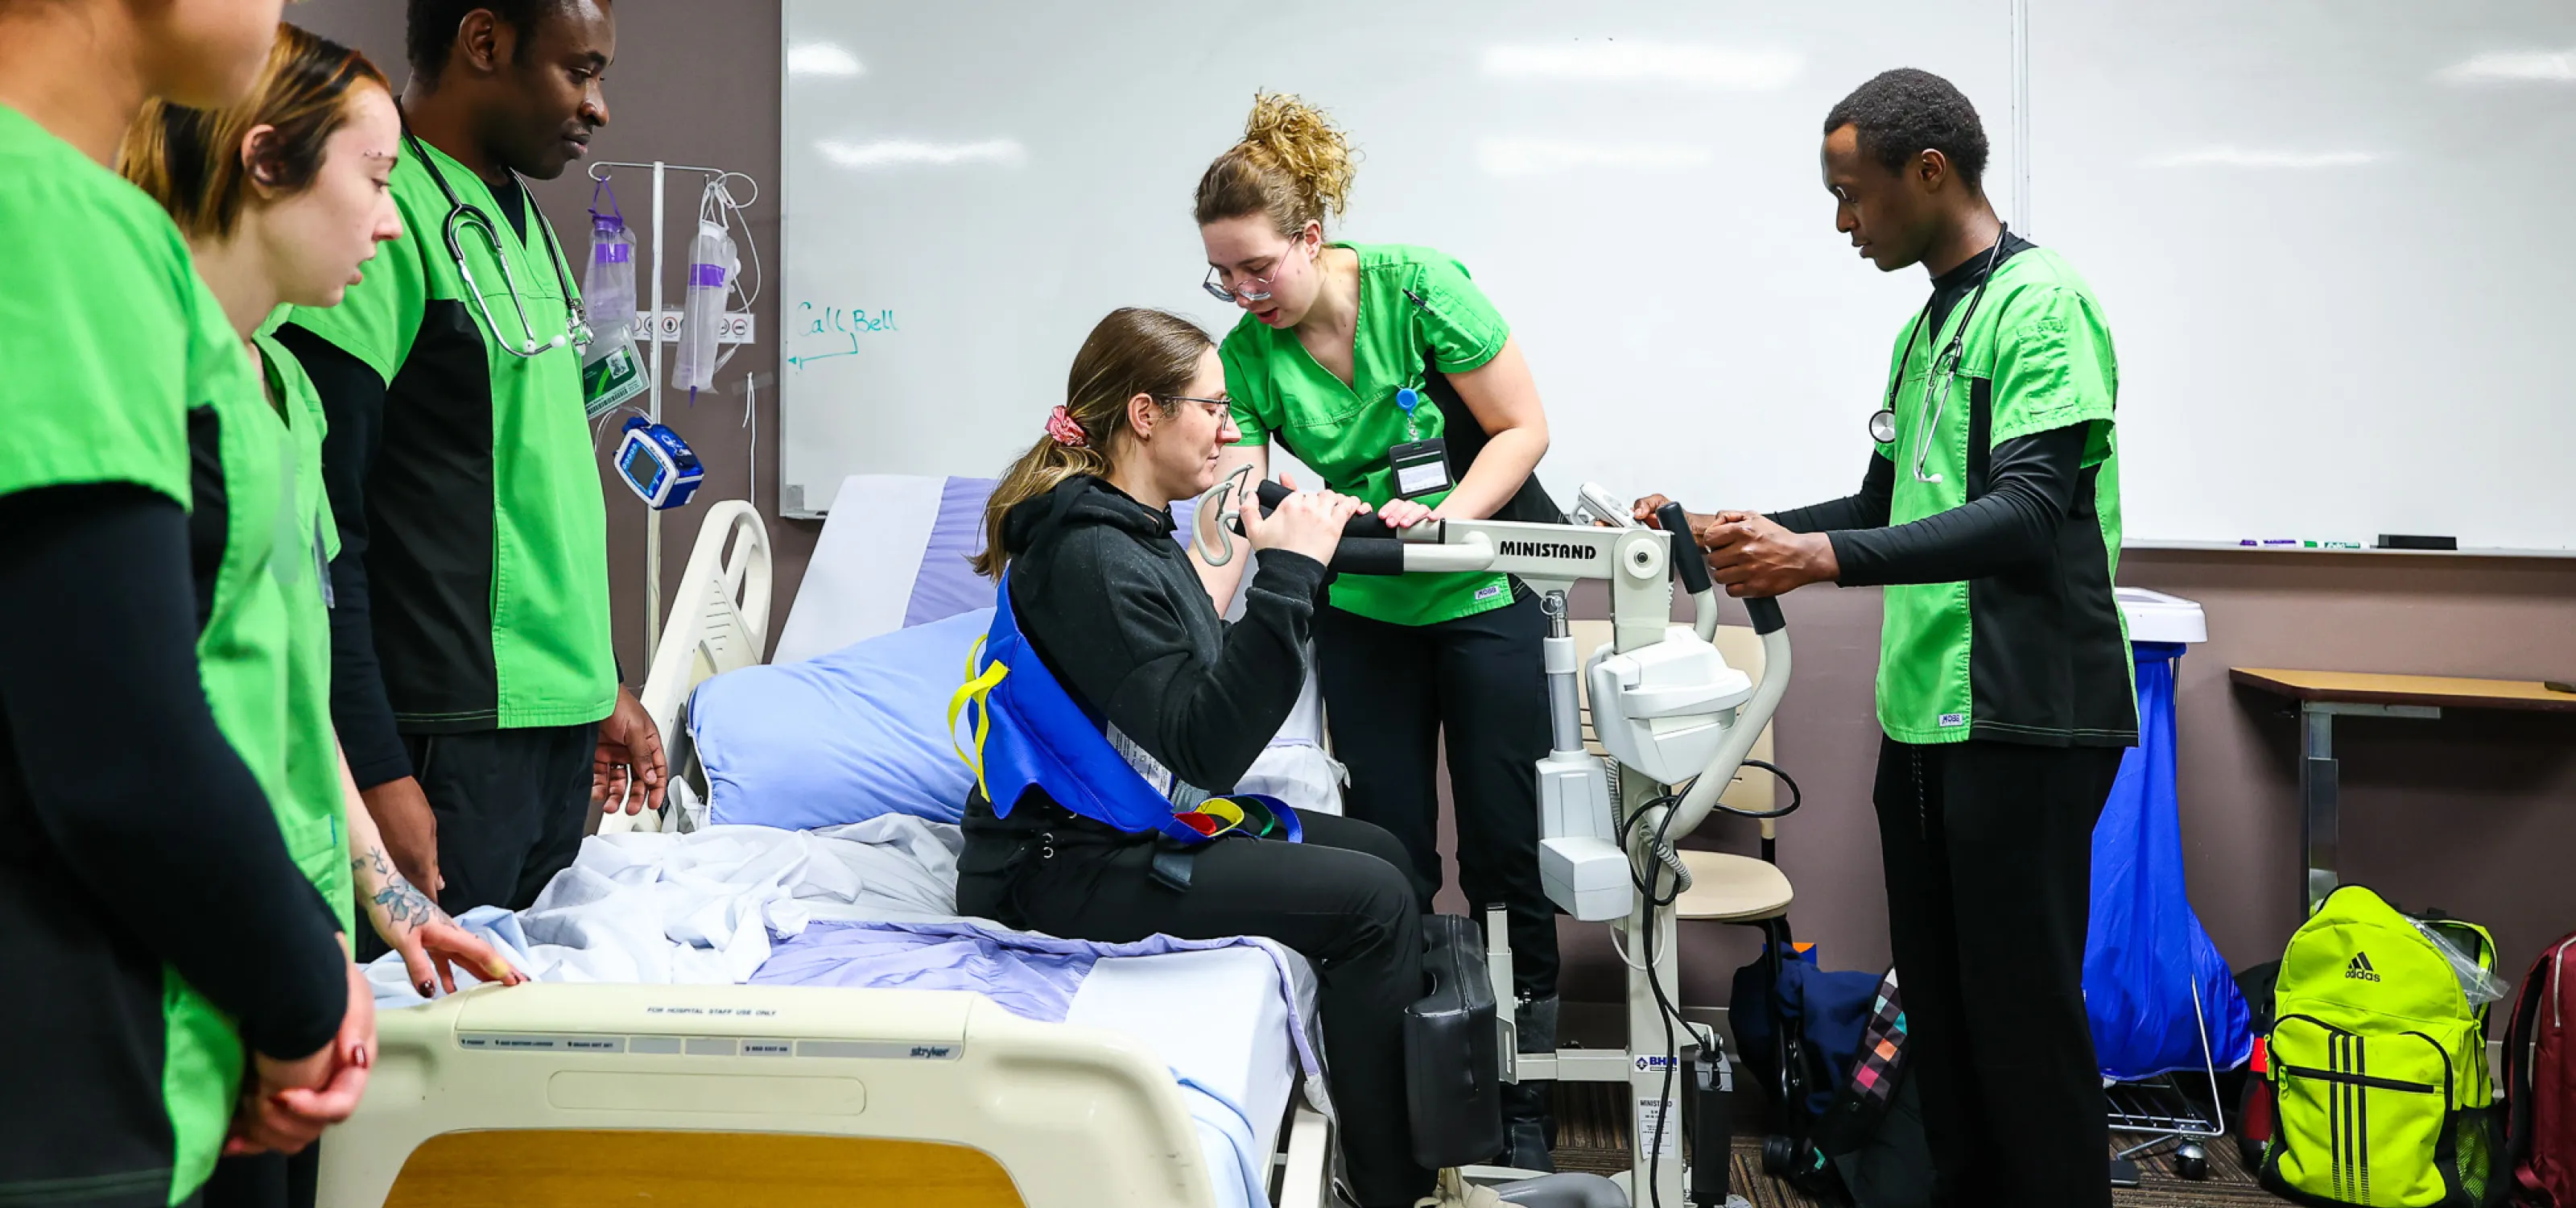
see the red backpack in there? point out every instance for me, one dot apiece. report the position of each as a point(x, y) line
point(2540, 1083)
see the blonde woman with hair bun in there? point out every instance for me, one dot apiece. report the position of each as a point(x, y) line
point(1353, 356)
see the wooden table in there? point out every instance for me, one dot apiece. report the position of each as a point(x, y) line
point(2326, 695)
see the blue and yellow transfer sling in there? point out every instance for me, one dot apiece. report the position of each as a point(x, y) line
point(1031, 733)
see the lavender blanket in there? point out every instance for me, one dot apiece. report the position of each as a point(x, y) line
point(1028, 974)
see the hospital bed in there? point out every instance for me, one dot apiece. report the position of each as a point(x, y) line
point(551, 1093)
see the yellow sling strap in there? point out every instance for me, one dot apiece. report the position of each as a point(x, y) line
point(978, 687)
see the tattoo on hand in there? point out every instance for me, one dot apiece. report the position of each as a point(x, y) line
point(406, 906)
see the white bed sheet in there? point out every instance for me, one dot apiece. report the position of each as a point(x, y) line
point(1218, 1020)
point(702, 908)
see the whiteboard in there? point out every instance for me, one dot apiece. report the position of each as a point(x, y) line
point(2331, 239)
point(2327, 235)
point(970, 187)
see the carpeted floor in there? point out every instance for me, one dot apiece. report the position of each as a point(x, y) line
point(1592, 1129)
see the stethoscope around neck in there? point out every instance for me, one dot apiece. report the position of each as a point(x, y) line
point(462, 217)
point(1936, 384)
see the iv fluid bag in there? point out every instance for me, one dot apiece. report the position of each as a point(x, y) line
point(608, 287)
point(711, 269)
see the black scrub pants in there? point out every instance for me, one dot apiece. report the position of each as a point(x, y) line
point(1989, 855)
point(1339, 899)
point(1393, 693)
point(512, 808)
point(266, 1180)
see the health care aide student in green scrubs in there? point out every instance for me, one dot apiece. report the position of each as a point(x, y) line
point(473, 683)
point(159, 937)
point(282, 197)
point(1331, 331)
point(1990, 515)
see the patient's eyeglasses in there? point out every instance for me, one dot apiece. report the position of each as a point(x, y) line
point(1253, 289)
point(1217, 408)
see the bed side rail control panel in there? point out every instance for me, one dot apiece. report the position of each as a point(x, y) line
point(1452, 1062)
point(707, 1046)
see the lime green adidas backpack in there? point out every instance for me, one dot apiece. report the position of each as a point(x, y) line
point(2379, 1063)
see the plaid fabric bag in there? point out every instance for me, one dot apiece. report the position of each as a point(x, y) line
point(1864, 1097)
point(1870, 1142)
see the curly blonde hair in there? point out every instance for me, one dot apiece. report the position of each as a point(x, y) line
point(1292, 165)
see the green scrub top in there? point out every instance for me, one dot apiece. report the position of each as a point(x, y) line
point(2000, 659)
point(311, 812)
point(111, 340)
point(1417, 309)
point(508, 437)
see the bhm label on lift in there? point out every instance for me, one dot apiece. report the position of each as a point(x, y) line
point(1550, 549)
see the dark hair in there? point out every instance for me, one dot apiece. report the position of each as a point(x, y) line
point(191, 161)
point(429, 28)
point(1902, 113)
point(1133, 351)
point(1291, 166)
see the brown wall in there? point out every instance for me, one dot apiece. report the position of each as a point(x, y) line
point(2473, 813)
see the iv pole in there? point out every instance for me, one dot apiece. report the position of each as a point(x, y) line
point(652, 516)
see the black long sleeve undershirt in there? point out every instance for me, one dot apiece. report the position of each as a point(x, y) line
point(126, 776)
point(353, 404)
point(2033, 481)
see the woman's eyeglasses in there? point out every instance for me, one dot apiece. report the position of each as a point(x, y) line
point(1253, 289)
point(1217, 408)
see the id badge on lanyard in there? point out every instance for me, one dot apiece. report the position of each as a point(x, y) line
point(611, 375)
point(1421, 467)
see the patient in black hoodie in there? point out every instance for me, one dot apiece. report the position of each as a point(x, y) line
point(1114, 605)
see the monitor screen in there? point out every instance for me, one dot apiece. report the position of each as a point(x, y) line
point(639, 466)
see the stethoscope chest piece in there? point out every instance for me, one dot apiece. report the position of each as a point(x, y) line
point(1882, 426)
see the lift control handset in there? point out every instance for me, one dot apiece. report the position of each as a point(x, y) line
point(1596, 506)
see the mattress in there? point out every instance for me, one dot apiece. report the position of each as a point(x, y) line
point(1217, 1018)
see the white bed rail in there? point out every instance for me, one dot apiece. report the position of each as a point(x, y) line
point(702, 1095)
point(719, 622)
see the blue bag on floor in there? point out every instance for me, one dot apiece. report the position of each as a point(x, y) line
point(2145, 955)
point(1827, 1009)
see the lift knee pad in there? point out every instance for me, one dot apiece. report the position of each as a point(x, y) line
point(1452, 1070)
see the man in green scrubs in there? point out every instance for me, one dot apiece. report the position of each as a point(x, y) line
point(1990, 519)
point(158, 936)
point(473, 684)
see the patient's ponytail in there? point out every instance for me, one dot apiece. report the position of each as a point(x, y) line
point(1134, 351)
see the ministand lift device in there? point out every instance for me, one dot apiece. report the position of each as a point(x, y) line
point(1678, 723)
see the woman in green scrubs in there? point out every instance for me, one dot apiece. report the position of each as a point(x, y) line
point(282, 197)
point(159, 933)
point(1346, 355)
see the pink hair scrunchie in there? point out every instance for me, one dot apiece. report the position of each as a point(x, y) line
point(1060, 425)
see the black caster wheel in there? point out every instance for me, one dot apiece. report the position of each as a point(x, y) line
point(1779, 1156)
point(2191, 1161)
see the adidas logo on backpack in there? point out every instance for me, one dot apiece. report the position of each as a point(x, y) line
point(2359, 969)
